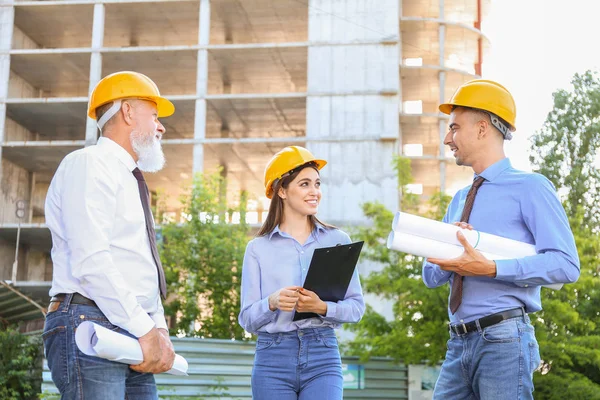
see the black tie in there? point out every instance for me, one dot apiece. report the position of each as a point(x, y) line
point(145, 197)
point(457, 283)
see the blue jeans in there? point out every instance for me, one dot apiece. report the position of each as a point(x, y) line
point(495, 363)
point(78, 376)
point(303, 364)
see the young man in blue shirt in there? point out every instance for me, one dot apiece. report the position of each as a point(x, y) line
point(492, 351)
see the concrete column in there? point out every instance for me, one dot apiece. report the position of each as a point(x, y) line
point(442, 81)
point(201, 86)
point(91, 129)
point(7, 18)
point(353, 92)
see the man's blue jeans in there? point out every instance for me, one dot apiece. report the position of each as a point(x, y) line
point(496, 363)
point(78, 376)
point(303, 364)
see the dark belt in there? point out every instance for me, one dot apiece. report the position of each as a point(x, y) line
point(484, 322)
point(77, 299)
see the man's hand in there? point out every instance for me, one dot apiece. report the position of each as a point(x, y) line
point(310, 302)
point(167, 341)
point(469, 263)
point(158, 353)
point(284, 299)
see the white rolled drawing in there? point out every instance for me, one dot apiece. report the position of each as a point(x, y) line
point(427, 238)
point(443, 232)
point(98, 341)
point(428, 248)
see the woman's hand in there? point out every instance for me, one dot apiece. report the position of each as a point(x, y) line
point(284, 299)
point(310, 302)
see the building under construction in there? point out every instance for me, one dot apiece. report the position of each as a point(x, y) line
point(355, 81)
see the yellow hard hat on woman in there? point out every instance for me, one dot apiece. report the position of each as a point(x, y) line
point(284, 162)
point(488, 96)
point(128, 85)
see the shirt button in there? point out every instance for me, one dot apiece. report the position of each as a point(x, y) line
point(301, 252)
point(526, 285)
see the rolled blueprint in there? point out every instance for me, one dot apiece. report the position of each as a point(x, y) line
point(443, 232)
point(433, 239)
point(428, 248)
point(97, 341)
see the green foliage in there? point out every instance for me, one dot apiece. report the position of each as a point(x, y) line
point(20, 365)
point(203, 261)
point(418, 330)
point(566, 148)
point(568, 328)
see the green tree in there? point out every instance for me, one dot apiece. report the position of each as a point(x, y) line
point(568, 328)
point(20, 365)
point(566, 149)
point(203, 261)
point(418, 330)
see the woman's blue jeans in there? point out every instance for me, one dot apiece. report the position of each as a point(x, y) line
point(303, 364)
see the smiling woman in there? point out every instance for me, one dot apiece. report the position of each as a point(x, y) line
point(275, 266)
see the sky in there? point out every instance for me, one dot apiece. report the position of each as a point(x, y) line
point(536, 48)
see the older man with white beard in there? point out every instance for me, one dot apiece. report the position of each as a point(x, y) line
point(106, 264)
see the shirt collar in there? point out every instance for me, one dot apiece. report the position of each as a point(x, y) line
point(319, 229)
point(118, 151)
point(495, 170)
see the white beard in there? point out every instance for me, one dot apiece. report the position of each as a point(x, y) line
point(149, 151)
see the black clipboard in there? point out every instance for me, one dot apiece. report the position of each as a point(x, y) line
point(330, 272)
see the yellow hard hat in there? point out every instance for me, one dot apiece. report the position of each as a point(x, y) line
point(126, 85)
point(285, 161)
point(485, 95)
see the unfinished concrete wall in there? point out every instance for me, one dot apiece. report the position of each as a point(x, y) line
point(7, 256)
point(352, 104)
point(35, 269)
point(21, 41)
point(20, 88)
point(38, 199)
point(15, 185)
point(14, 131)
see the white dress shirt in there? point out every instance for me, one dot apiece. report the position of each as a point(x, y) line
point(100, 247)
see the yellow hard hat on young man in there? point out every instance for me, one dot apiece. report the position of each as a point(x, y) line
point(488, 96)
point(285, 161)
point(126, 85)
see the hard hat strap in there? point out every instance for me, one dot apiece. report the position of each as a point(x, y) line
point(497, 122)
point(116, 106)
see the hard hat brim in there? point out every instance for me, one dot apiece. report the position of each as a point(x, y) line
point(446, 108)
point(165, 107)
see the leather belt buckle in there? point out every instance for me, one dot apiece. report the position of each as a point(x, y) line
point(53, 306)
point(459, 329)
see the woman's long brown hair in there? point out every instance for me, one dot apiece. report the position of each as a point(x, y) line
point(275, 215)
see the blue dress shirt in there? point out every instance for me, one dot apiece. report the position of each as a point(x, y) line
point(521, 206)
point(277, 260)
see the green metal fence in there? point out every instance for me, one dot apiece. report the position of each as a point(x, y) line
point(221, 369)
